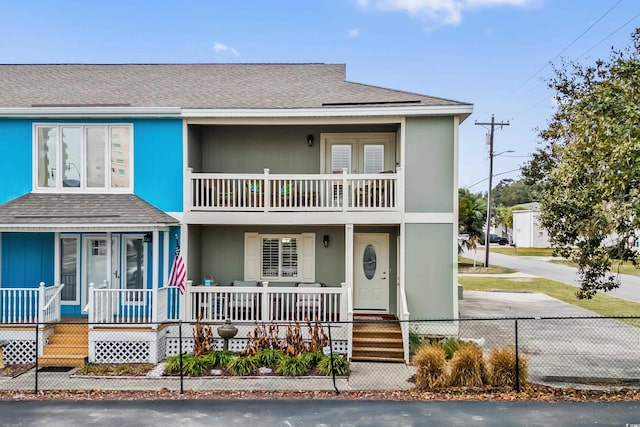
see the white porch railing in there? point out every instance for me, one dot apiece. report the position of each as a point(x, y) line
point(286, 192)
point(30, 305)
point(403, 315)
point(265, 304)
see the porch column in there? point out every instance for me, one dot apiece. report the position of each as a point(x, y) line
point(155, 262)
point(348, 255)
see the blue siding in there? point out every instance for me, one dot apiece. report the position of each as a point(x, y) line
point(158, 163)
point(157, 159)
point(27, 259)
point(16, 144)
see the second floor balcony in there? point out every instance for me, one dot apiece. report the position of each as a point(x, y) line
point(268, 192)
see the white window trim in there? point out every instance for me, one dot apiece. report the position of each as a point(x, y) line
point(58, 267)
point(59, 188)
point(306, 257)
point(123, 272)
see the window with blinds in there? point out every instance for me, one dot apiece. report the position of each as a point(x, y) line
point(279, 257)
point(340, 158)
point(373, 158)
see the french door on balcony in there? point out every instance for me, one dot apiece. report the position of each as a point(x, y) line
point(358, 152)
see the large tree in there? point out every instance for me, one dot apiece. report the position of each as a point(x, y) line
point(510, 193)
point(588, 168)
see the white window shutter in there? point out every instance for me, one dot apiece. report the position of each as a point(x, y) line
point(251, 256)
point(307, 257)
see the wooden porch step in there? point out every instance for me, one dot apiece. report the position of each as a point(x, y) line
point(70, 360)
point(67, 346)
point(378, 359)
point(69, 339)
point(71, 328)
point(377, 342)
point(66, 349)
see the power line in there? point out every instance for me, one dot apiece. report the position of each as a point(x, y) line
point(604, 39)
point(495, 174)
point(565, 49)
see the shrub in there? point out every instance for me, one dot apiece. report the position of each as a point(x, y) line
point(243, 365)
point(502, 368)
point(415, 340)
point(292, 366)
point(172, 364)
point(431, 367)
point(269, 357)
point(217, 359)
point(340, 365)
point(450, 345)
point(195, 366)
point(467, 367)
point(312, 357)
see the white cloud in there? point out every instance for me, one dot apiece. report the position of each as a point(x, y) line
point(223, 48)
point(448, 12)
point(353, 33)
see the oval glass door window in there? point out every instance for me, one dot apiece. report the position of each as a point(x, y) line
point(369, 262)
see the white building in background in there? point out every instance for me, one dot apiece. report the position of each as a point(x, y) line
point(527, 232)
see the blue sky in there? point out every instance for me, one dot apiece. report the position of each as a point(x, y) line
point(492, 53)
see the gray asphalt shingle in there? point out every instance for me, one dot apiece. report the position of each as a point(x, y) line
point(206, 86)
point(50, 208)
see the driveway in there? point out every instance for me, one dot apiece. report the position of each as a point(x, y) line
point(573, 346)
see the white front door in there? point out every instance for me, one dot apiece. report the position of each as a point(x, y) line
point(97, 269)
point(371, 271)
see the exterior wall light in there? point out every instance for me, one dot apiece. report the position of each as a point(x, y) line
point(148, 237)
point(310, 140)
point(325, 240)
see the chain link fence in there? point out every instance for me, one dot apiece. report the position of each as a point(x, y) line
point(577, 352)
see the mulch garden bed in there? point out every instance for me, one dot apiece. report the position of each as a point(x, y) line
point(13, 370)
point(531, 393)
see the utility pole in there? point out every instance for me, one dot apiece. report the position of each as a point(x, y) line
point(493, 124)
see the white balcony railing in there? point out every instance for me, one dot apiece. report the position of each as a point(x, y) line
point(30, 305)
point(265, 304)
point(286, 192)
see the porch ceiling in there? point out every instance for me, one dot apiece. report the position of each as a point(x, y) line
point(55, 210)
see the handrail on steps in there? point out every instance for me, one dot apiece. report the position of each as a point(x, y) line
point(57, 292)
point(102, 285)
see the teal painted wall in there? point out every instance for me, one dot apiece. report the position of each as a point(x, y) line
point(157, 158)
point(27, 259)
point(429, 168)
point(429, 270)
point(16, 160)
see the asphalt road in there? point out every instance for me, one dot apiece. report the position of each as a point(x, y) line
point(290, 413)
point(629, 288)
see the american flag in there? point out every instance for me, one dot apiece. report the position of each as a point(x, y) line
point(178, 272)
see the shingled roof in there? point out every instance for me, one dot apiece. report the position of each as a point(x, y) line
point(47, 209)
point(196, 86)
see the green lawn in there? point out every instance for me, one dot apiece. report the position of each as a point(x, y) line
point(509, 250)
point(602, 304)
point(465, 265)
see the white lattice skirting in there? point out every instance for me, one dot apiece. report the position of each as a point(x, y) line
point(22, 344)
point(122, 346)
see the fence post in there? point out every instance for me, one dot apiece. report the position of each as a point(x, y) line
point(333, 371)
point(517, 359)
point(36, 355)
point(180, 352)
point(41, 303)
